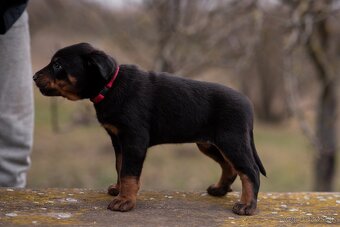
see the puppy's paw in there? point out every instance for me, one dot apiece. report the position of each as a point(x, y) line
point(113, 190)
point(218, 191)
point(122, 204)
point(244, 209)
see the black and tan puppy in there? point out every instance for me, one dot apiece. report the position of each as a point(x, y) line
point(141, 109)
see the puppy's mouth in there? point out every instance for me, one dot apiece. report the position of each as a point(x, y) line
point(54, 87)
point(49, 92)
point(46, 86)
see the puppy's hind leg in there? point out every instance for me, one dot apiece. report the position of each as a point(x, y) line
point(223, 186)
point(236, 148)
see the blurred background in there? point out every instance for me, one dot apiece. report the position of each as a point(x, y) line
point(283, 54)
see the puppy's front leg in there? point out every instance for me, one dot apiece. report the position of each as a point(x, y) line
point(114, 188)
point(133, 155)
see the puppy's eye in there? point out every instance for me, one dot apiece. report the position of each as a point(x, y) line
point(58, 70)
point(57, 67)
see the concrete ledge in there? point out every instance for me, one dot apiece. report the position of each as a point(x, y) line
point(82, 207)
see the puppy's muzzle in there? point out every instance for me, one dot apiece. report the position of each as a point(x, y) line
point(41, 80)
point(36, 76)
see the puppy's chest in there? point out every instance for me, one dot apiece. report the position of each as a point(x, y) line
point(109, 122)
point(112, 129)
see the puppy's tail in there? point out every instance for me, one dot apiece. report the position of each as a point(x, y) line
point(256, 156)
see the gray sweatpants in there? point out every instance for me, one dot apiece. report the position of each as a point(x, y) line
point(16, 104)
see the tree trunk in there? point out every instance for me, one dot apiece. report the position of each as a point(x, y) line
point(324, 165)
point(167, 15)
point(317, 47)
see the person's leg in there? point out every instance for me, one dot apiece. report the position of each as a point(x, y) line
point(16, 104)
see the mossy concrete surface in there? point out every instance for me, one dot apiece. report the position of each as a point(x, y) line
point(83, 207)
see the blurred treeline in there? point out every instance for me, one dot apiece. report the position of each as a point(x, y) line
point(284, 55)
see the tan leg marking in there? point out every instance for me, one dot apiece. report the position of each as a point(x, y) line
point(228, 172)
point(129, 187)
point(126, 200)
point(114, 188)
point(247, 190)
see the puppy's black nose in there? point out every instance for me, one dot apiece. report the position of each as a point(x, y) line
point(35, 77)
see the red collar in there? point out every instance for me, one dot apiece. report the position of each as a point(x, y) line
point(103, 92)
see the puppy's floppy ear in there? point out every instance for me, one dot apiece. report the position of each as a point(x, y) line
point(101, 64)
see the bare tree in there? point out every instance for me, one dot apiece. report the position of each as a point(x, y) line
point(167, 15)
point(309, 20)
point(192, 36)
point(260, 66)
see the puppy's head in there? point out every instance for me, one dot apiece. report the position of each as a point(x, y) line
point(76, 72)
